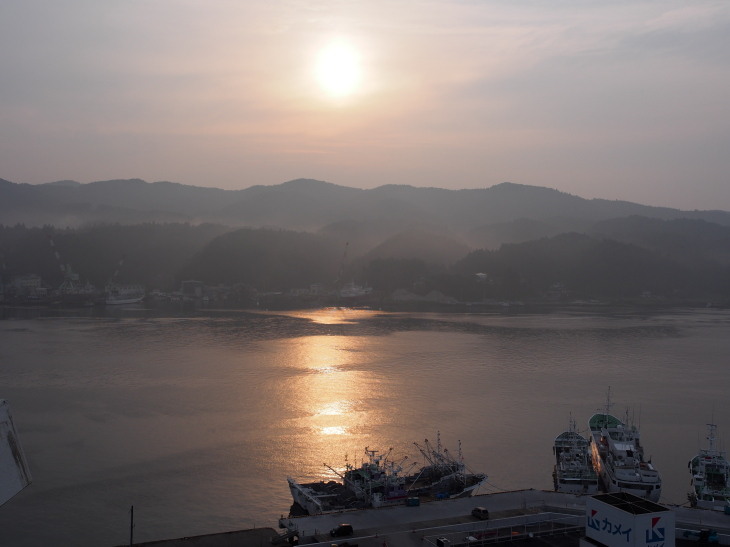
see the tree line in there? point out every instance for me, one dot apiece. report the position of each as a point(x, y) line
point(162, 255)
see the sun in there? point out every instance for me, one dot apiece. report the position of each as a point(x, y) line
point(338, 69)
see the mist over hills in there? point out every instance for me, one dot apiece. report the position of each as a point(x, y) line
point(522, 240)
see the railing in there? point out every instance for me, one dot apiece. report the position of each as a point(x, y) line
point(508, 529)
point(696, 535)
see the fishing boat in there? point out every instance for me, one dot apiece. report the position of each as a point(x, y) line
point(14, 472)
point(381, 481)
point(618, 457)
point(72, 293)
point(710, 472)
point(123, 294)
point(573, 471)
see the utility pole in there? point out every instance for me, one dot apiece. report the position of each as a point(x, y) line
point(131, 525)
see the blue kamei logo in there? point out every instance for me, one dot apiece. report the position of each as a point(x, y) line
point(656, 533)
point(606, 526)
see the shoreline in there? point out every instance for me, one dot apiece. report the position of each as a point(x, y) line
point(517, 307)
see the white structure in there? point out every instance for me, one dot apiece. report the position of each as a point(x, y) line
point(621, 519)
point(14, 474)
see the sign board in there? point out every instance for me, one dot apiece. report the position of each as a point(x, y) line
point(14, 473)
point(623, 520)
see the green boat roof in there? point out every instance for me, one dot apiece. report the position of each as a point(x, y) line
point(598, 421)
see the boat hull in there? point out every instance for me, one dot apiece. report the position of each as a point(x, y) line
point(122, 301)
point(618, 460)
point(379, 482)
point(573, 471)
point(610, 483)
point(710, 472)
point(579, 487)
point(123, 294)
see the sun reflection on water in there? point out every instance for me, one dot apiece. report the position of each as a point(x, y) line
point(324, 370)
point(334, 316)
point(334, 430)
point(334, 402)
point(335, 408)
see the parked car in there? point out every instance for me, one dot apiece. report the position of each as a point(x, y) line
point(341, 530)
point(481, 513)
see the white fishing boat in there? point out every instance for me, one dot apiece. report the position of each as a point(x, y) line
point(573, 471)
point(14, 472)
point(710, 472)
point(381, 481)
point(123, 294)
point(618, 457)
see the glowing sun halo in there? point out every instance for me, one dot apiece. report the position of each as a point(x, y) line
point(338, 70)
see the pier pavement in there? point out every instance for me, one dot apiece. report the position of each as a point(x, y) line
point(540, 518)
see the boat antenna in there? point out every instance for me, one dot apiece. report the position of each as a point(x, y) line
point(711, 428)
point(607, 408)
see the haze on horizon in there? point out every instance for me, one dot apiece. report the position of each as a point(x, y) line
point(620, 100)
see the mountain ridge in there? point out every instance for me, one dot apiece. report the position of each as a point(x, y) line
point(309, 204)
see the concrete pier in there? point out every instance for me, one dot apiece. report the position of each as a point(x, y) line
point(542, 518)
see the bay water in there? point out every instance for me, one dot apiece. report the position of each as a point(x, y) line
point(197, 419)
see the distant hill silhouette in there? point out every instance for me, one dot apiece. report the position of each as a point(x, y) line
point(311, 205)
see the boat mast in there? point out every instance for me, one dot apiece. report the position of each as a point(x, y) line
point(345, 480)
point(427, 451)
point(607, 410)
point(711, 428)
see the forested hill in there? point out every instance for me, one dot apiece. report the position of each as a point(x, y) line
point(505, 242)
point(642, 261)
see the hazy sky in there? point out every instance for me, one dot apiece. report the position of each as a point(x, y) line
point(620, 100)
